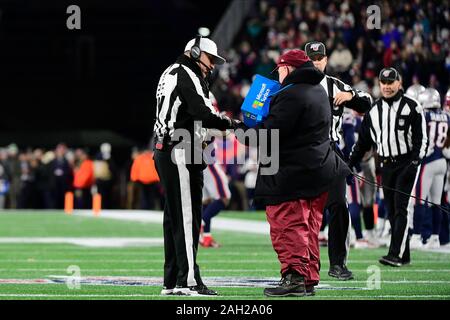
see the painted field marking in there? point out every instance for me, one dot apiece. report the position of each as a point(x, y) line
point(365, 297)
point(200, 261)
point(206, 270)
point(105, 242)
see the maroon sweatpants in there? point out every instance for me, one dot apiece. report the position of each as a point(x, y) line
point(294, 229)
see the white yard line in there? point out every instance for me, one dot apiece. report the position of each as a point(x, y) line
point(42, 295)
point(105, 242)
point(200, 260)
point(229, 224)
point(205, 270)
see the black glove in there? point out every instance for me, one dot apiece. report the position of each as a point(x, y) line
point(350, 180)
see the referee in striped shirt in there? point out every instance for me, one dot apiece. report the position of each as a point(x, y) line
point(396, 126)
point(340, 95)
point(183, 99)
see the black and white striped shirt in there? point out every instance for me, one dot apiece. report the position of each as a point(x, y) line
point(360, 102)
point(396, 126)
point(183, 97)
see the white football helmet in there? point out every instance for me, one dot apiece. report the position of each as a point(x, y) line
point(430, 98)
point(415, 90)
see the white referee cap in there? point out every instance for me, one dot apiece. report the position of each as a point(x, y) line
point(208, 46)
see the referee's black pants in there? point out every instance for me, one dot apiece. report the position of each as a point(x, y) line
point(182, 217)
point(402, 176)
point(338, 223)
point(339, 219)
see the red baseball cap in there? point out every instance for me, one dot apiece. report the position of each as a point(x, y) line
point(295, 58)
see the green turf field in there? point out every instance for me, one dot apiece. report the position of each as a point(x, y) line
point(245, 258)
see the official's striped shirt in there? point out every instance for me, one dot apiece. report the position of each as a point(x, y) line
point(396, 126)
point(183, 97)
point(360, 102)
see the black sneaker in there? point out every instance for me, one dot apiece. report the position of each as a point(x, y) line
point(198, 290)
point(291, 285)
point(340, 272)
point(406, 262)
point(390, 260)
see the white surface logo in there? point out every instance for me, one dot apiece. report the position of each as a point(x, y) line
point(73, 281)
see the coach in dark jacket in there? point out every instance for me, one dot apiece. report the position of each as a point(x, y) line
point(307, 163)
point(296, 195)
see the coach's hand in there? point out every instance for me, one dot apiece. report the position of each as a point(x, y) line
point(342, 97)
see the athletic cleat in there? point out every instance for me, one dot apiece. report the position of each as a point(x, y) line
point(416, 242)
point(406, 262)
point(166, 291)
point(391, 261)
point(432, 243)
point(372, 238)
point(209, 242)
point(196, 291)
point(340, 273)
point(364, 244)
point(291, 285)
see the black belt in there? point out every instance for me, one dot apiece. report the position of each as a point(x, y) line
point(164, 144)
point(395, 159)
point(167, 145)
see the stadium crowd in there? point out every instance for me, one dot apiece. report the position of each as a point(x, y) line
point(39, 179)
point(413, 38)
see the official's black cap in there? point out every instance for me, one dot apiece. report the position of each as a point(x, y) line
point(389, 74)
point(315, 48)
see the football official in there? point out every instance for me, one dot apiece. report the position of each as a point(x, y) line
point(182, 98)
point(396, 126)
point(340, 95)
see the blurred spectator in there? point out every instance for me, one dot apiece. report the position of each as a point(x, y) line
point(340, 60)
point(12, 165)
point(42, 176)
point(83, 179)
point(4, 178)
point(390, 54)
point(27, 190)
point(133, 198)
point(105, 175)
point(61, 176)
point(143, 173)
point(265, 66)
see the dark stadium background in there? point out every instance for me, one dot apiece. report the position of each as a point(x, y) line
point(80, 85)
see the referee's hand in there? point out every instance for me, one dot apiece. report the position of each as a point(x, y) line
point(342, 97)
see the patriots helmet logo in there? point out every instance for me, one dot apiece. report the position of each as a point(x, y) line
point(315, 46)
point(386, 73)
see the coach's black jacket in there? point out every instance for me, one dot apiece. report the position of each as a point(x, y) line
point(308, 165)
